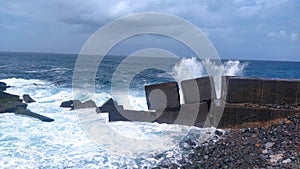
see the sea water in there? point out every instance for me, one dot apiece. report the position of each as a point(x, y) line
point(29, 143)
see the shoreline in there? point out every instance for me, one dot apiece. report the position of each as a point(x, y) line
point(276, 146)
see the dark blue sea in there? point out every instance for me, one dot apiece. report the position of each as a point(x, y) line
point(64, 143)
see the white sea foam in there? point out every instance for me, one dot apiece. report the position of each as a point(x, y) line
point(30, 143)
point(189, 68)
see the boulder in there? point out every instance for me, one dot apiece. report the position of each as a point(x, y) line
point(3, 86)
point(27, 99)
point(87, 104)
point(70, 103)
point(109, 106)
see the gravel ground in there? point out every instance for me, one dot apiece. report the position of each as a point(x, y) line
point(276, 146)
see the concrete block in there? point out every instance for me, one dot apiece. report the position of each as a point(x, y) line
point(279, 91)
point(115, 115)
point(193, 114)
point(162, 96)
point(167, 117)
point(243, 90)
point(132, 115)
point(198, 90)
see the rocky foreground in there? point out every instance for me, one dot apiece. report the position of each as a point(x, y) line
point(276, 146)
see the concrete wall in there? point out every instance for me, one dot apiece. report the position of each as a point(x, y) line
point(238, 116)
point(243, 90)
point(198, 90)
point(279, 91)
point(261, 91)
point(189, 114)
point(163, 95)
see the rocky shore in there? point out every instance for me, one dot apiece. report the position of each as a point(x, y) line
point(10, 103)
point(275, 146)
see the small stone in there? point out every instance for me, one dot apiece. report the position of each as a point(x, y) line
point(218, 133)
point(254, 135)
point(269, 145)
point(245, 130)
point(275, 158)
point(286, 161)
point(265, 151)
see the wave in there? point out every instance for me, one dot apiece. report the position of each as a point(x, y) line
point(64, 143)
point(189, 68)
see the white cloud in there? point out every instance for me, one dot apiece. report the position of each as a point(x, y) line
point(294, 37)
point(271, 34)
point(282, 33)
point(279, 34)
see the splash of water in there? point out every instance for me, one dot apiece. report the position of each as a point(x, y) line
point(189, 68)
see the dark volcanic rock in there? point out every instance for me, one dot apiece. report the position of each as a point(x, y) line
point(277, 146)
point(3, 86)
point(27, 99)
point(108, 106)
point(4, 97)
point(87, 104)
point(76, 104)
point(23, 111)
point(12, 104)
point(70, 103)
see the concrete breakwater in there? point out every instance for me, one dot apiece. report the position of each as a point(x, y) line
point(244, 102)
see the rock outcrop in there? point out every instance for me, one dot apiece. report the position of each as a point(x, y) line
point(10, 103)
point(76, 104)
point(28, 99)
point(70, 103)
point(3, 86)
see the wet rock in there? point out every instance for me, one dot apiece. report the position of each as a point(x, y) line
point(108, 106)
point(70, 103)
point(87, 104)
point(27, 99)
point(76, 104)
point(3, 86)
point(23, 111)
point(12, 104)
point(218, 133)
point(4, 97)
point(245, 130)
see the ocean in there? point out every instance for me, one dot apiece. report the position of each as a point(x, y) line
point(30, 143)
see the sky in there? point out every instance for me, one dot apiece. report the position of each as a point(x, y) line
point(239, 29)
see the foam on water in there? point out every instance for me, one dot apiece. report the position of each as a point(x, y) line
point(189, 68)
point(29, 143)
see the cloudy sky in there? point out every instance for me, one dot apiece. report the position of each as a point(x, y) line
point(239, 29)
